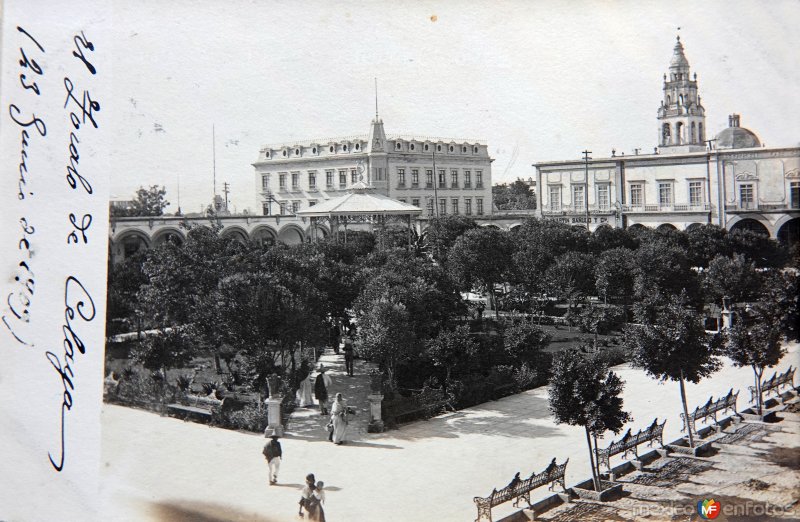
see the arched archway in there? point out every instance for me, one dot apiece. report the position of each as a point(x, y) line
point(751, 225)
point(235, 233)
point(317, 231)
point(666, 226)
point(170, 234)
point(693, 226)
point(129, 243)
point(291, 235)
point(789, 232)
point(637, 226)
point(264, 235)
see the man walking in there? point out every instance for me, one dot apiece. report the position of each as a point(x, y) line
point(321, 385)
point(348, 353)
point(273, 453)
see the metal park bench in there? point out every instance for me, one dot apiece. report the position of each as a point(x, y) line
point(199, 407)
point(520, 489)
point(629, 443)
point(710, 409)
point(774, 384)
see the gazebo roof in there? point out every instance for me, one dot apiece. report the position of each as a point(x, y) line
point(361, 200)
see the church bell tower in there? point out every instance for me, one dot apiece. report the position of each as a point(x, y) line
point(681, 117)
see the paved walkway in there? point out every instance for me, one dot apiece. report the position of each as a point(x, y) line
point(160, 468)
point(307, 423)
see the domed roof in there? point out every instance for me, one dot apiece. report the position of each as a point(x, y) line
point(736, 137)
point(678, 58)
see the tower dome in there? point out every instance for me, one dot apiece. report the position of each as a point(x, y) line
point(736, 137)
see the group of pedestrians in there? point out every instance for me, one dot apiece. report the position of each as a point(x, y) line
point(312, 495)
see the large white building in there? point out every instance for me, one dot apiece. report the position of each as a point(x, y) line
point(441, 176)
point(731, 180)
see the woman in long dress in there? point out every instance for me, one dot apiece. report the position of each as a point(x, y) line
point(339, 419)
point(304, 395)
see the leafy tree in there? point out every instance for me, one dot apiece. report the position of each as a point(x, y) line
point(663, 268)
point(779, 302)
point(163, 350)
point(148, 202)
point(754, 340)
point(481, 258)
point(571, 277)
point(451, 348)
point(386, 334)
point(614, 274)
point(442, 232)
point(705, 243)
point(734, 277)
point(125, 279)
point(600, 320)
point(607, 238)
point(584, 393)
point(671, 344)
point(525, 342)
point(516, 196)
point(759, 248)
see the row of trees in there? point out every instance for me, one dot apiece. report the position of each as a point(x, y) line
point(669, 343)
point(263, 302)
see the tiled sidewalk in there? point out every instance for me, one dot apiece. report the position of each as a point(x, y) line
point(307, 423)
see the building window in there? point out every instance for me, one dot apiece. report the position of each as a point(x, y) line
point(467, 179)
point(454, 205)
point(295, 180)
point(312, 180)
point(578, 197)
point(414, 177)
point(468, 206)
point(794, 194)
point(411, 146)
point(401, 200)
point(479, 205)
point(555, 197)
point(282, 181)
point(342, 179)
point(329, 179)
point(442, 206)
point(415, 202)
point(695, 193)
point(602, 197)
point(637, 195)
point(746, 198)
point(442, 180)
point(283, 208)
point(265, 181)
point(397, 145)
point(478, 179)
point(295, 207)
point(665, 194)
point(401, 177)
point(353, 175)
point(428, 178)
point(265, 208)
point(430, 207)
point(454, 178)
point(312, 202)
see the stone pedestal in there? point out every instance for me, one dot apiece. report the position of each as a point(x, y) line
point(274, 424)
point(375, 420)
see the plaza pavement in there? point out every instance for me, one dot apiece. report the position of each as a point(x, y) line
point(161, 468)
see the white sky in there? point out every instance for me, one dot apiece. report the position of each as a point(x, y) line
point(538, 81)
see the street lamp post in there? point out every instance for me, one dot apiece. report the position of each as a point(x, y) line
point(586, 159)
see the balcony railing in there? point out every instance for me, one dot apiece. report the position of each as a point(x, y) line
point(760, 207)
point(573, 209)
point(704, 207)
